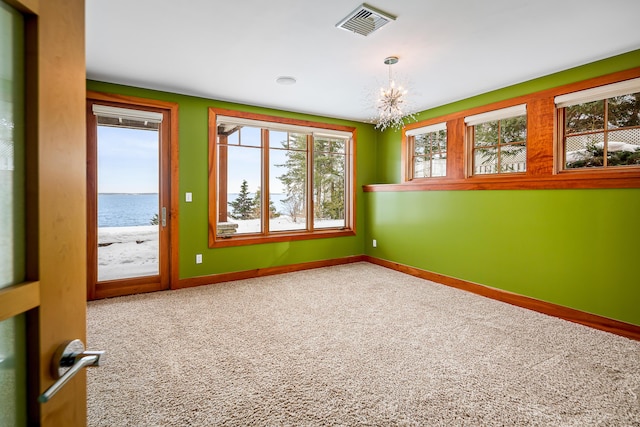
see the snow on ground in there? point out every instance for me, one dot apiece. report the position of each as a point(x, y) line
point(133, 251)
point(282, 223)
point(127, 252)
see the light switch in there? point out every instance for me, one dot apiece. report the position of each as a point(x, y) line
point(188, 197)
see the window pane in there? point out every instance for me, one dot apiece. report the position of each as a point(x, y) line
point(439, 165)
point(486, 134)
point(584, 117)
point(513, 158)
point(13, 366)
point(421, 144)
point(623, 147)
point(485, 161)
point(338, 146)
point(298, 141)
point(624, 111)
point(250, 136)
point(421, 168)
point(12, 151)
point(439, 153)
point(13, 371)
point(584, 151)
point(289, 176)
point(280, 209)
point(328, 188)
point(128, 198)
point(243, 180)
point(278, 139)
point(440, 141)
point(513, 129)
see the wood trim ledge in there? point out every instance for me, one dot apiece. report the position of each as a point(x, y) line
point(617, 327)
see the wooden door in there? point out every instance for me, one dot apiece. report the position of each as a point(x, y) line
point(47, 298)
point(138, 256)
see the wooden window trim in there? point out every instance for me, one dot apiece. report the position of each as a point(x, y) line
point(267, 236)
point(544, 151)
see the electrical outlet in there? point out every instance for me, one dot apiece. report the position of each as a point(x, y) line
point(198, 258)
point(188, 197)
point(375, 243)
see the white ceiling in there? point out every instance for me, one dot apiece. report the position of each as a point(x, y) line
point(234, 50)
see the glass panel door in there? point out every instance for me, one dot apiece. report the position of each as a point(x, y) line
point(12, 210)
point(129, 214)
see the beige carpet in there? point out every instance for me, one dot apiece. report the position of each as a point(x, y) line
point(351, 345)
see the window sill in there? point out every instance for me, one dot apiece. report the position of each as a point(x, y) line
point(563, 180)
point(253, 239)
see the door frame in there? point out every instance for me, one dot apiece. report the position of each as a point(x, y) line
point(168, 258)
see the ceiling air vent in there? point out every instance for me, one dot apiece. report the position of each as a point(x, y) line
point(365, 20)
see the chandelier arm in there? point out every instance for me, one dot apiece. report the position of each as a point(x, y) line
point(390, 103)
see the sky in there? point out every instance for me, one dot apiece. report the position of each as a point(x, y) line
point(245, 162)
point(127, 160)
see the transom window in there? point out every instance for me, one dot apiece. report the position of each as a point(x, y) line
point(498, 141)
point(278, 178)
point(428, 150)
point(600, 127)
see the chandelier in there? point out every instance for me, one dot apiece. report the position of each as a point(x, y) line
point(391, 103)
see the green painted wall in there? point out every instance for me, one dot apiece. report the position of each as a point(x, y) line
point(576, 248)
point(193, 217)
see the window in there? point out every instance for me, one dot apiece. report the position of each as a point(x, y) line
point(498, 141)
point(278, 179)
point(428, 151)
point(600, 127)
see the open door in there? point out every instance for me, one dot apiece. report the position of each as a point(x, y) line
point(42, 207)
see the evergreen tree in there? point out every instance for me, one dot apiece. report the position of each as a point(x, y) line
point(243, 207)
point(257, 201)
point(295, 177)
point(589, 118)
point(328, 179)
point(624, 111)
point(489, 135)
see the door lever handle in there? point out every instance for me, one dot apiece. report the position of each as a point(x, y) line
point(67, 361)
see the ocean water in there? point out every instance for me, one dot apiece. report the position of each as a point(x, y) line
point(126, 210)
